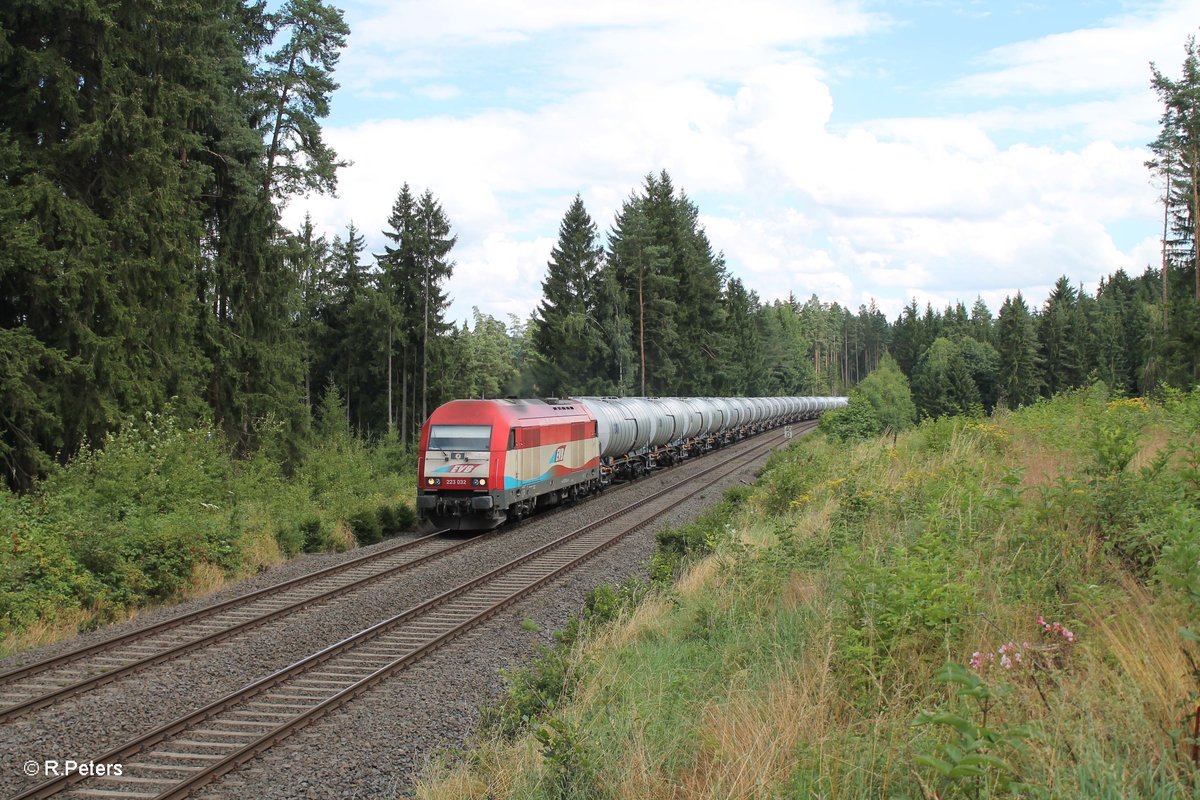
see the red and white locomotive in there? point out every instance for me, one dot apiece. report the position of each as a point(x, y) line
point(484, 461)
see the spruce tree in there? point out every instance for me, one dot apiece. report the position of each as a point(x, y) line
point(399, 292)
point(1016, 342)
point(567, 335)
point(942, 385)
point(117, 128)
point(1061, 366)
point(639, 257)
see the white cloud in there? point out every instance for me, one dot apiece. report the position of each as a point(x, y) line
point(439, 91)
point(1107, 57)
point(929, 206)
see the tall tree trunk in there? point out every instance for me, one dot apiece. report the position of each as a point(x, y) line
point(1165, 268)
point(273, 150)
point(425, 353)
point(642, 329)
point(390, 426)
point(404, 398)
point(1196, 219)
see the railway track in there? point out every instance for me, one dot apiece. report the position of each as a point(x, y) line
point(40, 684)
point(189, 752)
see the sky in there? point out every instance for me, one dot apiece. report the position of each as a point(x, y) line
point(859, 151)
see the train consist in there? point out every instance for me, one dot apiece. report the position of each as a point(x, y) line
point(483, 462)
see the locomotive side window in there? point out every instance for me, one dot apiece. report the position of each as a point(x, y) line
point(460, 437)
point(512, 438)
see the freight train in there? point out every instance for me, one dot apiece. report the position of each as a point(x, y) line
point(482, 462)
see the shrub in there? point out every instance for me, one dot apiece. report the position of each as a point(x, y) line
point(366, 526)
point(856, 421)
point(396, 517)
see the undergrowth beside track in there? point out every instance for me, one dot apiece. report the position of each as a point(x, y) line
point(163, 512)
point(990, 608)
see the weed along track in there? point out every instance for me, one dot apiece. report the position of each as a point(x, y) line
point(196, 748)
point(45, 682)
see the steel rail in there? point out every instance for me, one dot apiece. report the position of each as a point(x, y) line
point(434, 626)
point(135, 661)
point(50, 690)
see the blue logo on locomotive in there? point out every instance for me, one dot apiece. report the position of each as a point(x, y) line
point(559, 454)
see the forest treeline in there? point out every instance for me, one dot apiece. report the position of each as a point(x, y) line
point(145, 160)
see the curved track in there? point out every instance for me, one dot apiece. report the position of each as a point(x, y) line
point(197, 748)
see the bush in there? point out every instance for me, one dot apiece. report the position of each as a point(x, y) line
point(366, 526)
point(396, 517)
point(316, 535)
point(856, 421)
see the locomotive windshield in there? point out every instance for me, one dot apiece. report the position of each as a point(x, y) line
point(460, 437)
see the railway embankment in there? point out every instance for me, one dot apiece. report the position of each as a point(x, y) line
point(981, 608)
point(164, 512)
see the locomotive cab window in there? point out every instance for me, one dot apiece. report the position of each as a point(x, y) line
point(460, 437)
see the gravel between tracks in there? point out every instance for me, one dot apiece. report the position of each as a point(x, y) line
point(372, 747)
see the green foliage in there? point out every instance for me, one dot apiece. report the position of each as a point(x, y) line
point(572, 773)
point(914, 597)
point(366, 526)
point(942, 384)
point(295, 82)
point(567, 332)
point(678, 545)
point(969, 764)
point(887, 390)
point(1019, 376)
point(128, 524)
point(856, 421)
point(550, 678)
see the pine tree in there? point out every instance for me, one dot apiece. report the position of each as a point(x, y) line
point(295, 83)
point(908, 338)
point(981, 321)
point(942, 385)
point(434, 245)
point(742, 365)
point(567, 335)
point(1016, 342)
point(399, 292)
point(308, 257)
point(699, 275)
point(638, 255)
point(411, 281)
point(118, 122)
point(354, 331)
point(1061, 365)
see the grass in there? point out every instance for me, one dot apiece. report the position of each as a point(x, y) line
point(163, 512)
point(815, 615)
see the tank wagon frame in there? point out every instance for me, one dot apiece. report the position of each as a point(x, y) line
point(482, 462)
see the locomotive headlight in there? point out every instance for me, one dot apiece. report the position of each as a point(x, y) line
point(431, 481)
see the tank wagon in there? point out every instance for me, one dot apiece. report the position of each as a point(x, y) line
point(482, 462)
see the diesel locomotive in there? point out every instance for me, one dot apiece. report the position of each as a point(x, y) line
point(482, 462)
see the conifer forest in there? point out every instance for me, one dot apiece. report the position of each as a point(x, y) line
point(146, 158)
